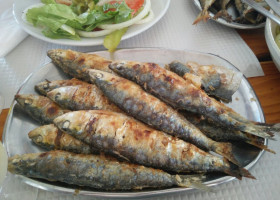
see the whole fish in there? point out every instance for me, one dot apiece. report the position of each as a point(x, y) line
point(131, 98)
point(221, 134)
point(96, 171)
point(76, 63)
point(204, 14)
point(40, 108)
point(46, 86)
point(119, 134)
point(215, 80)
point(81, 97)
point(51, 138)
point(183, 95)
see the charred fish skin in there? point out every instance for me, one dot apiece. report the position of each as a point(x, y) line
point(82, 97)
point(174, 90)
point(76, 63)
point(40, 108)
point(116, 133)
point(46, 86)
point(131, 98)
point(94, 171)
point(51, 138)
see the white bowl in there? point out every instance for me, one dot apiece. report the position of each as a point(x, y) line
point(270, 34)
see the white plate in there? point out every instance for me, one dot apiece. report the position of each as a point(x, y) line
point(18, 124)
point(159, 8)
point(231, 24)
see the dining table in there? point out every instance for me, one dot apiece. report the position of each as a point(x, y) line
point(267, 90)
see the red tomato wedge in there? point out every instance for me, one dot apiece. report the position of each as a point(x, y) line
point(135, 5)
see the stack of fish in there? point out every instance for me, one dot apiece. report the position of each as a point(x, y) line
point(246, 14)
point(158, 125)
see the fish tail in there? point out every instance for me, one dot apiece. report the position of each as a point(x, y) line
point(225, 149)
point(238, 172)
point(204, 15)
point(260, 146)
point(192, 181)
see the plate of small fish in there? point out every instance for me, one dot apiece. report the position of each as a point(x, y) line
point(92, 125)
point(231, 13)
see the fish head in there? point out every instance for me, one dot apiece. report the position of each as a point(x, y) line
point(25, 99)
point(62, 93)
point(73, 123)
point(43, 87)
point(97, 75)
point(37, 135)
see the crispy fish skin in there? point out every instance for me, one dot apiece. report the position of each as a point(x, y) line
point(131, 98)
point(46, 86)
point(51, 138)
point(96, 171)
point(216, 80)
point(76, 63)
point(40, 108)
point(122, 135)
point(181, 94)
point(82, 97)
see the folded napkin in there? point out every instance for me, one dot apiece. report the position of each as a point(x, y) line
point(11, 34)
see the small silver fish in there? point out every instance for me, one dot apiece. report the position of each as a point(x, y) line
point(119, 134)
point(96, 171)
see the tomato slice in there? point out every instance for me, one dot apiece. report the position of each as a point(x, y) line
point(135, 5)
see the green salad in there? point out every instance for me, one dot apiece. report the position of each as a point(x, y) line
point(88, 18)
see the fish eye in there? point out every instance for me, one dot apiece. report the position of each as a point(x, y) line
point(46, 86)
point(66, 125)
point(98, 75)
point(57, 96)
point(39, 138)
point(119, 66)
point(28, 101)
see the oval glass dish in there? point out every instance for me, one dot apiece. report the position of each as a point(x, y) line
point(18, 124)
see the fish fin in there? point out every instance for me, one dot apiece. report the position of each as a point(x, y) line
point(202, 16)
point(260, 146)
point(225, 149)
point(244, 172)
point(193, 181)
point(238, 172)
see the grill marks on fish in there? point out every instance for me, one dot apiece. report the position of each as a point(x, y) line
point(40, 108)
point(215, 80)
point(76, 63)
point(184, 95)
point(131, 98)
point(51, 138)
point(96, 171)
point(116, 133)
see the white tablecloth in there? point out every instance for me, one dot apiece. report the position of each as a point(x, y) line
point(174, 30)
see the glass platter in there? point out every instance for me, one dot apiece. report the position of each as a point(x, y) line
point(231, 24)
point(159, 8)
point(18, 124)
